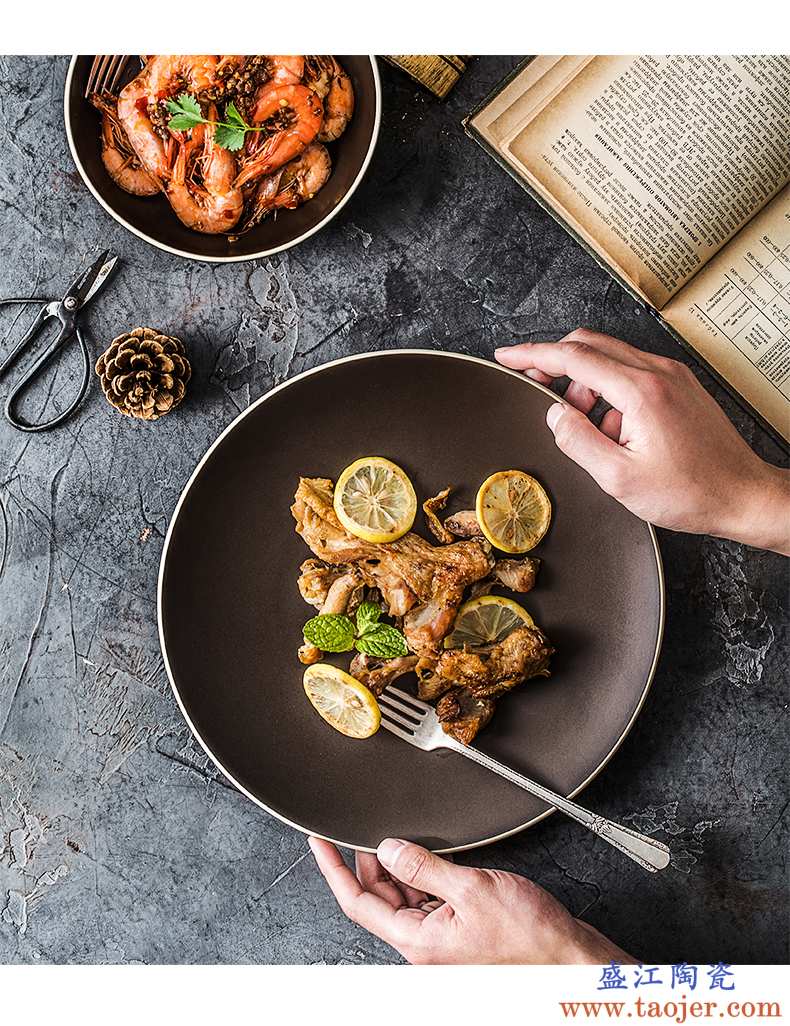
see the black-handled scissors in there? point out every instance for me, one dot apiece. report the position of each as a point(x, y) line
point(66, 311)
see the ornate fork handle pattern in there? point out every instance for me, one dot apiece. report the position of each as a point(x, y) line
point(649, 853)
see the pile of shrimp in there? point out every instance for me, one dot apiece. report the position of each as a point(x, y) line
point(300, 102)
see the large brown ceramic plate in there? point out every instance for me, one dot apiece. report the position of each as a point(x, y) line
point(230, 614)
point(151, 217)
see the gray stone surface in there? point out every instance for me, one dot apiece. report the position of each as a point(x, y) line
point(118, 840)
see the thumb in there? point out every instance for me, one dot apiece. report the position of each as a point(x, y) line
point(580, 439)
point(420, 868)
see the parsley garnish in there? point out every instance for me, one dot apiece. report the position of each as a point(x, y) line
point(228, 134)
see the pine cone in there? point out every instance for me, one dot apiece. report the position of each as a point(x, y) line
point(144, 374)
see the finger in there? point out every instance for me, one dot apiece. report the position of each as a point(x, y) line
point(616, 381)
point(531, 372)
point(537, 375)
point(367, 910)
point(580, 439)
point(414, 898)
point(580, 396)
point(370, 871)
point(417, 867)
point(608, 344)
point(614, 347)
point(612, 424)
point(375, 878)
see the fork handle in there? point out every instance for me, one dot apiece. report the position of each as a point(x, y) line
point(651, 855)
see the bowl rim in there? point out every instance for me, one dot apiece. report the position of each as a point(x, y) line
point(187, 254)
point(163, 559)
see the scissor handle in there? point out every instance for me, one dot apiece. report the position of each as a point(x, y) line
point(41, 317)
point(13, 396)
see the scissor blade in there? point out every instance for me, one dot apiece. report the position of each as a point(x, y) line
point(100, 280)
point(91, 280)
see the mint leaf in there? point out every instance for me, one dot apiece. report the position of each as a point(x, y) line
point(382, 642)
point(227, 137)
point(330, 632)
point(367, 617)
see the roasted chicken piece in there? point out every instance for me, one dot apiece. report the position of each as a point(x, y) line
point(462, 715)
point(317, 579)
point(425, 626)
point(422, 586)
point(430, 508)
point(343, 595)
point(463, 524)
point(493, 670)
point(309, 654)
point(318, 525)
point(516, 574)
point(377, 674)
point(430, 685)
point(419, 581)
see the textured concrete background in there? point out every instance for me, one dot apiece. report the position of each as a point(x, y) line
point(118, 840)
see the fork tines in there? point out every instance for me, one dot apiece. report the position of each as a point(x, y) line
point(419, 708)
point(400, 710)
point(105, 73)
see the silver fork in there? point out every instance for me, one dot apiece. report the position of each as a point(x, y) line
point(413, 721)
point(105, 73)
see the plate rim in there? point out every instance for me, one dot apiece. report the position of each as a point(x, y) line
point(241, 258)
point(176, 511)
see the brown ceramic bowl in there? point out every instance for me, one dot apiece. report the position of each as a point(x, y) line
point(152, 219)
point(230, 613)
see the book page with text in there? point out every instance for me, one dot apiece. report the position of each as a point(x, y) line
point(516, 105)
point(736, 313)
point(663, 159)
point(524, 95)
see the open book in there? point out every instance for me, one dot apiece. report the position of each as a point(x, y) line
point(675, 172)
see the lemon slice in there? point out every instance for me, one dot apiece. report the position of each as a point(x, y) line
point(486, 620)
point(341, 700)
point(374, 500)
point(513, 510)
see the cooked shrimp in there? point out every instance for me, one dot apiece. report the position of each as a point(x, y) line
point(230, 62)
point(265, 198)
point(304, 176)
point(319, 70)
point(292, 185)
point(293, 114)
point(133, 116)
point(164, 75)
point(338, 105)
point(215, 204)
point(285, 70)
point(169, 74)
point(120, 160)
